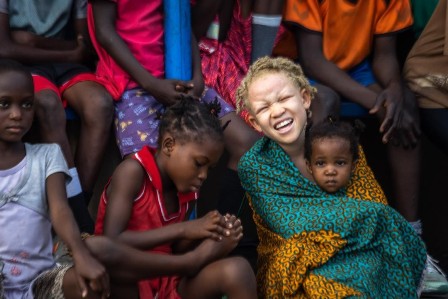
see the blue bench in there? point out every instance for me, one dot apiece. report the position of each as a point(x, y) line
point(70, 114)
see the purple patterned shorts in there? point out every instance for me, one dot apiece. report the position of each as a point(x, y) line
point(136, 122)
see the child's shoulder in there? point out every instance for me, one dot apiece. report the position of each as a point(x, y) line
point(129, 169)
point(40, 149)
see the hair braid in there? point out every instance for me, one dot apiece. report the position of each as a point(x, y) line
point(190, 120)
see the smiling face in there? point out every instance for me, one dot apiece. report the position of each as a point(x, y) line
point(16, 105)
point(331, 163)
point(187, 164)
point(278, 108)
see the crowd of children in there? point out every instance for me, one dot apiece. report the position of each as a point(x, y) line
point(317, 214)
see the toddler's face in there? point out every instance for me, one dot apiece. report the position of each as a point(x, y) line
point(16, 106)
point(331, 163)
point(278, 107)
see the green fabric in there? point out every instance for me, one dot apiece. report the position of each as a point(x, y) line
point(363, 245)
point(422, 11)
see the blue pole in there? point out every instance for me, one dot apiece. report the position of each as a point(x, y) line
point(178, 64)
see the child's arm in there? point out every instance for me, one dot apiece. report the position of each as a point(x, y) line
point(88, 269)
point(387, 72)
point(315, 65)
point(124, 187)
point(198, 79)
point(201, 228)
point(105, 14)
point(29, 53)
point(319, 68)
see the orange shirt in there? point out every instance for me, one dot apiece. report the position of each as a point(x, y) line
point(348, 28)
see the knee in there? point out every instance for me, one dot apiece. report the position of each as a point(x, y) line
point(99, 109)
point(237, 272)
point(49, 106)
point(326, 102)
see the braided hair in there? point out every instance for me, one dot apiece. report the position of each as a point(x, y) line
point(330, 128)
point(191, 120)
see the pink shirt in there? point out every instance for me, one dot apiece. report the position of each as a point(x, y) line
point(140, 25)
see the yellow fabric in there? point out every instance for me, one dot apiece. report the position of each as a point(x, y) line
point(308, 250)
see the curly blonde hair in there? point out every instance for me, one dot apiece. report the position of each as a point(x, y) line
point(271, 65)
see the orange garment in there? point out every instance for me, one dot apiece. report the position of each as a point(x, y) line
point(348, 27)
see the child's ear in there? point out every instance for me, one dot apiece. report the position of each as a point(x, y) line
point(168, 143)
point(306, 98)
point(253, 122)
point(308, 166)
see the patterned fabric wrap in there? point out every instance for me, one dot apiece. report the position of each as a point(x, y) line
point(49, 283)
point(317, 245)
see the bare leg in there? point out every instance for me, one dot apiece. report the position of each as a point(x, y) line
point(127, 265)
point(50, 115)
point(232, 277)
point(95, 108)
point(405, 168)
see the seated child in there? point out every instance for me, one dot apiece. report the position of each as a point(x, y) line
point(152, 192)
point(314, 244)
point(33, 200)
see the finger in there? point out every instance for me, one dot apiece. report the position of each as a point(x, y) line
point(237, 223)
point(378, 104)
point(82, 286)
point(389, 118)
point(219, 230)
point(411, 137)
point(388, 135)
point(231, 221)
point(106, 285)
point(95, 285)
point(216, 237)
point(401, 139)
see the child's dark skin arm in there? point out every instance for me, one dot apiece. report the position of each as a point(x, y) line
point(387, 72)
point(163, 90)
point(89, 271)
point(198, 80)
point(319, 68)
point(28, 53)
point(51, 43)
point(126, 184)
point(315, 64)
